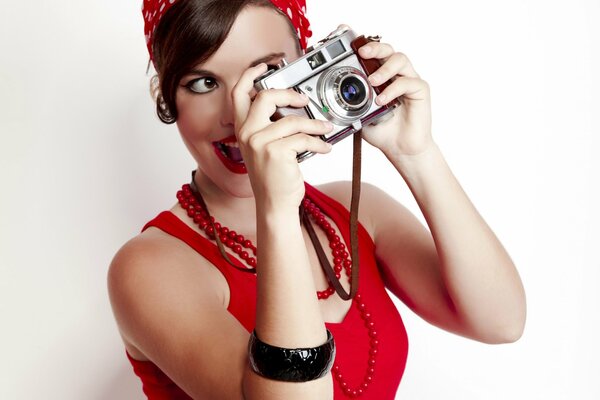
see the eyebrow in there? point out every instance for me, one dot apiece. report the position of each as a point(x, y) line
point(266, 58)
point(254, 63)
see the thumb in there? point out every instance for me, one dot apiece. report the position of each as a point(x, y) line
point(241, 94)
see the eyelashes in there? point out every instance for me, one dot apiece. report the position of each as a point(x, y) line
point(207, 84)
point(202, 85)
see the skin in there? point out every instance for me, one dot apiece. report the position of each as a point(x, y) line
point(455, 275)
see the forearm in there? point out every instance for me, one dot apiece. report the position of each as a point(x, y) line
point(287, 310)
point(479, 275)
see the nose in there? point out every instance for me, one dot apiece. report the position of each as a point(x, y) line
point(227, 110)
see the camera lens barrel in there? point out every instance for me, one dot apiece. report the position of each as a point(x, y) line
point(346, 92)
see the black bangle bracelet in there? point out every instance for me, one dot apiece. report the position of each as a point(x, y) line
point(291, 365)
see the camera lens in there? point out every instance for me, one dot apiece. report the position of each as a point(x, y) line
point(353, 91)
point(345, 92)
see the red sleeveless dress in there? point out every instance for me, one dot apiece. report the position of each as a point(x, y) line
point(352, 338)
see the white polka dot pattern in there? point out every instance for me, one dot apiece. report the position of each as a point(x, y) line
point(296, 10)
point(153, 10)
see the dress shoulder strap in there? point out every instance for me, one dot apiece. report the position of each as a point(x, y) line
point(242, 285)
point(171, 224)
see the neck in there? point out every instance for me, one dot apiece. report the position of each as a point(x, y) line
point(237, 213)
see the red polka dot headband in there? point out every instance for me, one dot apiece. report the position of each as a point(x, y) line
point(153, 10)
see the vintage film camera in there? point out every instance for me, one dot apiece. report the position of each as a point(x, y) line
point(334, 78)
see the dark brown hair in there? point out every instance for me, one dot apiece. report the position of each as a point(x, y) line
point(189, 33)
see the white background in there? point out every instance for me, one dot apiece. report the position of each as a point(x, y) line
point(84, 163)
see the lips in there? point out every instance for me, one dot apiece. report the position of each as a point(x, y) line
point(228, 151)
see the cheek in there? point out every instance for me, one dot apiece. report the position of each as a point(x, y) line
point(197, 116)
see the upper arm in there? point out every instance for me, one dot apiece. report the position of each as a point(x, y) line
point(406, 254)
point(177, 320)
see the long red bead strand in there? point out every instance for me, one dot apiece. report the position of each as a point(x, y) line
point(336, 371)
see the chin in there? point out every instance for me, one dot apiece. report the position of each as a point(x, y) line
point(235, 185)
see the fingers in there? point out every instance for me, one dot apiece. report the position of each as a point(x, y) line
point(410, 88)
point(396, 68)
point(241, 92)
point(394, 63)
point(264, 106)
point(296, 144)
point(289, 126)
point(252, 116)
point(258, 134)
point(397, 65)
point(377, 50)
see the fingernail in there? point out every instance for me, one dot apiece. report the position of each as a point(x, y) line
point(327, 124)
point(381, 99)
point(366, 51)
point(374, 78)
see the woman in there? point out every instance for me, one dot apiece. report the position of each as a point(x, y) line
point(195, 325)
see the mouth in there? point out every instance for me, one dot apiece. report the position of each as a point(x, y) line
point(228, 151)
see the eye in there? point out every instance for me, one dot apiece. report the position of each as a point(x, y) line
point(202, 85)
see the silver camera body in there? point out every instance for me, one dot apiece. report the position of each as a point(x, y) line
point(334, 78)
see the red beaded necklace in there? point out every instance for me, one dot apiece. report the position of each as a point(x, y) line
point(237, 243)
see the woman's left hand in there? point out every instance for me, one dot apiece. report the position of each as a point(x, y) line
point(408, 132)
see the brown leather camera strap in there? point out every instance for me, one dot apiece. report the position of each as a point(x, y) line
point(353, 230)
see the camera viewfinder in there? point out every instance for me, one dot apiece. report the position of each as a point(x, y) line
point(316, 60)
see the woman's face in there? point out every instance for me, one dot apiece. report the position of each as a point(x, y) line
point(205, 111)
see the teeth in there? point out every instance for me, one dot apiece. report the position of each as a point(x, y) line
point(231, 144)
point(227, 153)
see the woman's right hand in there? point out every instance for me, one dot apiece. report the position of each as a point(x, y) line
point(270, 148)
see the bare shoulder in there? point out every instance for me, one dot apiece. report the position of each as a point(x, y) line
point(168, 306)
point(155, 255)
point(153, 264)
